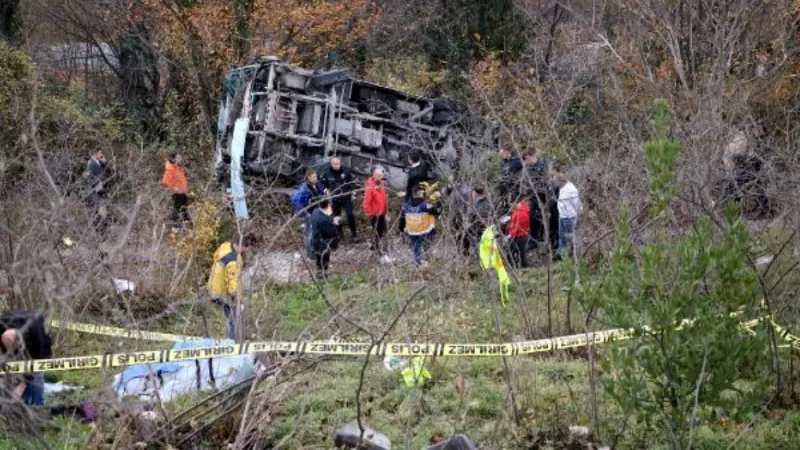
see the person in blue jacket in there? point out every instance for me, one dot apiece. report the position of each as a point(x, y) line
point(305, 200)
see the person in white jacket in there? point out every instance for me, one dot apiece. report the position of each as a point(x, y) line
point(569, 207)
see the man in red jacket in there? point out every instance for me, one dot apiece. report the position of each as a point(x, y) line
point(518, 230)
point(375, 207)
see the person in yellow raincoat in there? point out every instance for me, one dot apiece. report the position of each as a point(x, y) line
point(492, 261)
point(223, 282)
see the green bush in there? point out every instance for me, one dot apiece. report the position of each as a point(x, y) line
point(671, 371)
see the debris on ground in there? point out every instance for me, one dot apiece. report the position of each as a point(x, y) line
point(55, 388)
point(347, 436)
point(124, 285)
point(457, 442)
point(394, 363)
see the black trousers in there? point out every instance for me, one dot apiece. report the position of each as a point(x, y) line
point(346, 203)
point(323, 263)
point(537, 219)
point(378, 231)
point(552, 223)
point(519, 246)
point(96, 202)
point(180, 208)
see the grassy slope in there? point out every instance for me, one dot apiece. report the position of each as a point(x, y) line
point(468, 395)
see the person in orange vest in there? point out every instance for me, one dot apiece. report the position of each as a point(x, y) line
point(176, 180)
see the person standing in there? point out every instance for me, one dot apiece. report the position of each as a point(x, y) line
point(479, 208)
point(510, 169)
point(223, 281)
point(375, 206)
point(418, 173)
point(418, 221)
point(569, 207)
point(96, 171)
point(340, 184)
point(176, 181)
point(304, 201)
point(537, 186)
point(518, 230)
point(324, 236)
point(551, 209)
point(23, 336)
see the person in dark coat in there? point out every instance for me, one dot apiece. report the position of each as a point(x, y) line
point(479, 209)
point(23, 336)
point(552, 208)
point(96, 170)
point(96, 198)
point(418, 173)
point(324, 236)
point(339, 184)
point(510, 169)
point(536, 186)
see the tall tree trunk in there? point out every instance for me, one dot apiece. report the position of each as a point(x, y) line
point(204, 90)
point(240, 35)
point(141, 80)
point(9, 22)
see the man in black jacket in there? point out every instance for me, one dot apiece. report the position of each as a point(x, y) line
point(23, 336)
point(418, 173)
point(510, 169)
point(340, 183)
point(537, 186)
point(479, 209)
point(324, 236)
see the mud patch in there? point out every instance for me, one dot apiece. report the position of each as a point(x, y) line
point(288, 266)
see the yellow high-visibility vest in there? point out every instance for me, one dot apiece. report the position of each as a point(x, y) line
point(491, 259)
point(415, 373)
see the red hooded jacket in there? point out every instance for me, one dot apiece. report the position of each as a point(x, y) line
point(375, 200)
point(520, 224)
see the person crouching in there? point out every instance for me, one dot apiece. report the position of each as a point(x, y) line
point(324, 235)
point(418, 221)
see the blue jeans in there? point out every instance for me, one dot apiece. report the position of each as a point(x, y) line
point(34, 391)
point(417, 248)
point(230, 316)
point(566, 238)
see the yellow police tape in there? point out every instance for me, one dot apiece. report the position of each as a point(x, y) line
point(110, 360)
point(121, 332)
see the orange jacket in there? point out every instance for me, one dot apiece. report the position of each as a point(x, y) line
point(175, 179)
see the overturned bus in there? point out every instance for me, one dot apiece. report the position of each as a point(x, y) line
point(277, 120)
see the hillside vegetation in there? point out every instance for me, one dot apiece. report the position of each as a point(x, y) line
point(677, 121)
